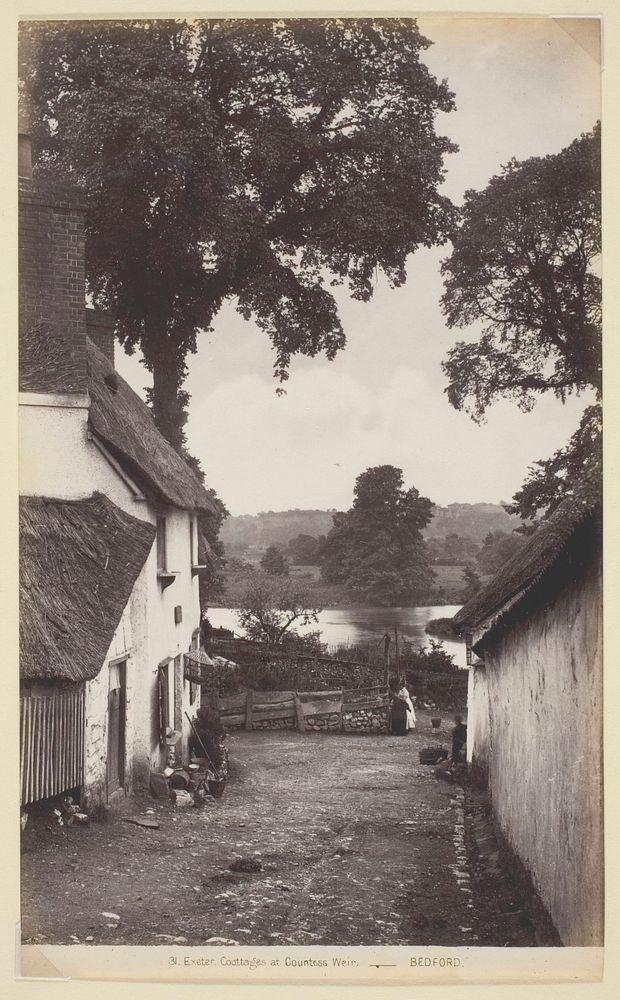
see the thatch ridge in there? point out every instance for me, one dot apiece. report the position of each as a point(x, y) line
point(124, 423)
point(79, 561)
point(527, 566)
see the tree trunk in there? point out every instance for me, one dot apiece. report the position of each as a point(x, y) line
point(168, 410)
point(166, 361)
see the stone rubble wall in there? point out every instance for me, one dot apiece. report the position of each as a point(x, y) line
point(365, 720)
point(323, 723)
point(357, 711)
point(270, 724)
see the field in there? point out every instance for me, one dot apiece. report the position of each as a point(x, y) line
point(449, 580)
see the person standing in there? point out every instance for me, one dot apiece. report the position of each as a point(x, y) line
point(459, 739)
point(402, 712)
point(404, 694)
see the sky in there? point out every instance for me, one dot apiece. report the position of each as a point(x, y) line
point(524, 87)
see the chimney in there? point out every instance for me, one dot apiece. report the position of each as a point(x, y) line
point(52, 321)
point(100, 328)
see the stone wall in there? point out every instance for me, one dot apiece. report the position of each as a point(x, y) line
point(544, 680)
point(365, 720)
point(322, 723)
point(273, 723)
point(478, 736)
point(95, 789)
point(353, 711)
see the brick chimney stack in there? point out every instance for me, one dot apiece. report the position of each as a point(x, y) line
point(52, 315)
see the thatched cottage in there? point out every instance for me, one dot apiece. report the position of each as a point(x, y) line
point(535, 714)
point(109, 535)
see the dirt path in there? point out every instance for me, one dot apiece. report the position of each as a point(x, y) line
point(359, 844)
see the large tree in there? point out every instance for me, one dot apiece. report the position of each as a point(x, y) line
point(576, 468)
point(524, 268)
point(497, 549)
point(523, 265)
point(254, 160)
point(376, 548)
point(274, 562)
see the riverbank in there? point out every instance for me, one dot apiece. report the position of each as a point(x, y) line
point(448, 589)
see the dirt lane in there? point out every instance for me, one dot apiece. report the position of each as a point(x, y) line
point(359, 844)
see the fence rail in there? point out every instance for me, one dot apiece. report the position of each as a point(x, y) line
point(51, 744)
point(353, 709)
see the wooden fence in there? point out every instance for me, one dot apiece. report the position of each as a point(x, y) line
point(52, 744)
point(348, 710)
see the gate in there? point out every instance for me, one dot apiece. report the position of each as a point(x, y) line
point(51, 744)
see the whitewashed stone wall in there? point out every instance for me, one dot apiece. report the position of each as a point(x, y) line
point(95, 790)
point(545, 766)
point(478, 735)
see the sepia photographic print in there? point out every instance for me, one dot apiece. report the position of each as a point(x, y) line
point(310, 498)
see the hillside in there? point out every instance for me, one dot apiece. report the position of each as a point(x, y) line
point(257, 531)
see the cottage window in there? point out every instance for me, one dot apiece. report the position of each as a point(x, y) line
point(161, 545)
point(192, 540)
point(165, 575)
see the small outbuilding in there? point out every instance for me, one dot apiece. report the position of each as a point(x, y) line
point(535, 713)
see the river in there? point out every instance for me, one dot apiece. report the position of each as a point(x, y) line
point(351, 625)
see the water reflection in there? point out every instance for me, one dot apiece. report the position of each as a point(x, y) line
point(350, 625)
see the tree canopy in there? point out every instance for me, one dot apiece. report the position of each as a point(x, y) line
point(270, 606)
point(575, 469)
point(376, 548)
point(523, 265)
point(275, 562)
point(305, 550)
point(254, 160)
point(497, 548)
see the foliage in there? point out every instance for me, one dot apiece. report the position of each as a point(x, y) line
point(292, 674)
point(453, 550)
point(497, 549)
point(442, 627)
point(435, 659)
point(439, 690)
point(274, 562)
point(472, 581)
point(376, 549)
point(522, 264)
point(576, 467)
point(239, 159)
point(271, 605)
point(306, 550)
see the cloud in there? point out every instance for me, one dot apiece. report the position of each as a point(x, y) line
point(305, 449)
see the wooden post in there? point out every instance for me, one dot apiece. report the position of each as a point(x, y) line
point(397, 654)
point(386, 655)
point(299, 715)
point(248, 710)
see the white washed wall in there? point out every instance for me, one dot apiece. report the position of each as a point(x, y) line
point(96, 716)
point(57, 459)
point(478, 734)
point(545, 769)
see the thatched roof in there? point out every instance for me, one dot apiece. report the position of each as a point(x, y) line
point(528, 567)
point(125, 425)
point(78, 561)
